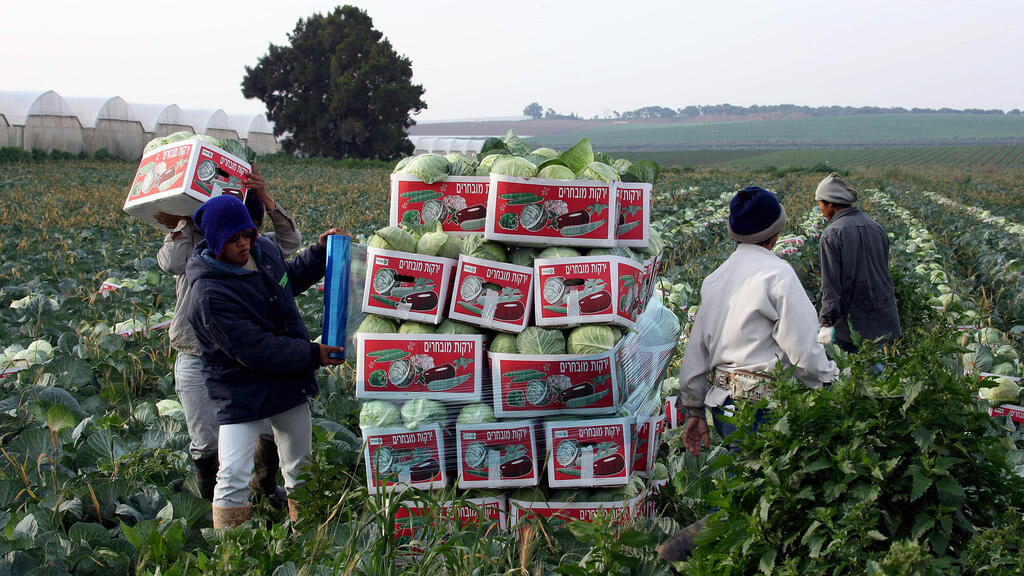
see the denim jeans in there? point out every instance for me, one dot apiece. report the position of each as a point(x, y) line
point(726, 429)
point(293, 432)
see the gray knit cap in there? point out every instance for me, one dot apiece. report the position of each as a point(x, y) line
point(836, 190)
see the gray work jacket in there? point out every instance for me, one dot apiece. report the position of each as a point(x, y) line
point(855, 283)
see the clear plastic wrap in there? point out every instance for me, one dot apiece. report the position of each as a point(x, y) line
point(483, 391)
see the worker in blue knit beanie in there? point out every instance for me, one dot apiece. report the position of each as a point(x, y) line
point(258, 360)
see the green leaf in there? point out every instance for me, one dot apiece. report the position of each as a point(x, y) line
point(111, 342)
point(782, 426)
point(921, 482)
point(59, 418)
point(579, 156)
point(767, 562)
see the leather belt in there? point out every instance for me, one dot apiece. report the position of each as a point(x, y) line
point(745, 385)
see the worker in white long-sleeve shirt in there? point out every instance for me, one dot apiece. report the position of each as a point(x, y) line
point(754, 313)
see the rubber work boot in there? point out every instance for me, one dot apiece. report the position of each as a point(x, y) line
point(206, 475)
point(231, 517)
point(681, 545)
point(293, 511)
point(266, 463)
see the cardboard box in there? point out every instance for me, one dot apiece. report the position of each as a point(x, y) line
point(560, 513)
point(398, 459)
point(458, 202)
point(499, 455)
point(588, 290)
point(674, 415)
point(634, 222)
point(492, 295)
point(446, 367)
point(1014, 412)
point(407, 286)
point(411, 518)
point(646, 442)
point(525, 385)
point(543, 212)
point(178, 177)
point(589, 453)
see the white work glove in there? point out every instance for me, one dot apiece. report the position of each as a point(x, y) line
point(827, 334)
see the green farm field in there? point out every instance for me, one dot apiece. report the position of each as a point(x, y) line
point(1002, 157)
point(897, 472)
point(829, 132)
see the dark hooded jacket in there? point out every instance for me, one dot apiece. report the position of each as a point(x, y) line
point(855, 284)
point(258, 360)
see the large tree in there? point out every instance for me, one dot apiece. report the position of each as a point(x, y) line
point(339, 89)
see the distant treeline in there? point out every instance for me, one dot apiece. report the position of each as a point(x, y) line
point(782, 110)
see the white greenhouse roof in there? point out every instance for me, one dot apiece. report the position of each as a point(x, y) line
point(446, 145)
point(18, 106)
point(206, 120)
point(152, 115)
point(243, 124)
point(92, 110)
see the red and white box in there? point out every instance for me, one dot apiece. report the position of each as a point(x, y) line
point(1016, 413)
point(407, 286)
point(588, 453)
point(545, 212)
point(492, 294)
point(560, 513)
point(446, 367)
point(177, 178)
point(459, 203)
point(411, 518)
point(398, 459)
point(497, 455)
point(528, 385)
point(588, 290)
point(674, 415)
point(634, 221)
point(646, 441)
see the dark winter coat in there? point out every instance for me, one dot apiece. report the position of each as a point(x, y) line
point(258, 360)
point(855, 284)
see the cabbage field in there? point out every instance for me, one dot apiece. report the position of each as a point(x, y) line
point(901, 471)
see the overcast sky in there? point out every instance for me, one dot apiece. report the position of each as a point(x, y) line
point(591, 57)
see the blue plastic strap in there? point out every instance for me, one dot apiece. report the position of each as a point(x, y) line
point(336, 291)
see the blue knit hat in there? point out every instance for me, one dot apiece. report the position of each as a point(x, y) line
point(220, 218)
point(755, 215)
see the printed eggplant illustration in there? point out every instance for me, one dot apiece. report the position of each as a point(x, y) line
point(392, 289)
point(473, 294)
point(622, 227)
point(471, 218)
point(542, 391)
point(594, 297)
point(537, 213)
point(421, 463)
point(424, 471)
point(404, 370)
point(513, 462)
point(421, 301)
point(607, 459)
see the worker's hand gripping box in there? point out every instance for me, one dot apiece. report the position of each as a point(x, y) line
point(398, 458)
point(407, 286)
point(588, 453)
point(176, 178)
point(588, 290)
point(459, 203)
point(448, 367)
point(497, 455)
point(634, 219)
point(527, 385)
point(492, 295)
point(545, 212)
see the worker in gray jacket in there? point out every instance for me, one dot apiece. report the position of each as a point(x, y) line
point(189, 384)
point(855, 285)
